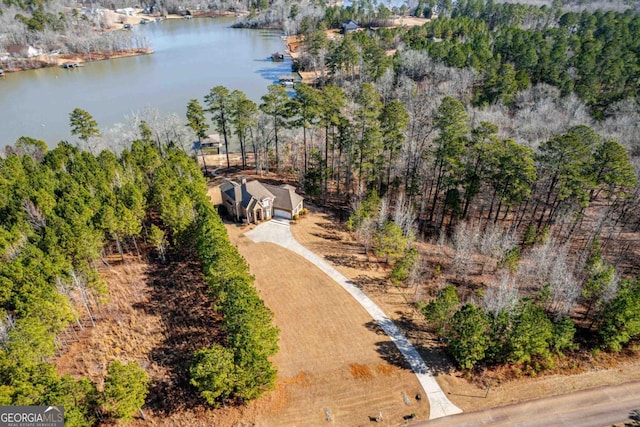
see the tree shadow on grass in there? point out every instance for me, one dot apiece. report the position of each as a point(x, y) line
point(330, 226)
point(373, 283)
point(351, 262)
point(634, 416)
point(327, 236)
point(179, 297)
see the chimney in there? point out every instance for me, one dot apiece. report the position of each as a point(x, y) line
point(243, 180)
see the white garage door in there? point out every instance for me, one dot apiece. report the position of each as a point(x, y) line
point(281, 214)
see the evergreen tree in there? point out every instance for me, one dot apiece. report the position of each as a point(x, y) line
point(218, 102)
point(212, 373)
point(305, 112)
point(125, 389)
point(274, 104)
point(369, 142)
point(451, 121)
point(83, 125)
point(196, 119)
point(468, 335)
point(243, 119)
point(390, 242)
point(619, 318)
point(393, 122)
point(531, 333)
point(439, 311)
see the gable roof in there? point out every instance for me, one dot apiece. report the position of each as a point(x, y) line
point(350, 25)
point(254, 189)
point(286, 197)
point(232, 190)
point(245, 193)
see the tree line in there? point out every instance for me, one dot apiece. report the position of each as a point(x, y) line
point(594, 54)
point(58, 211)
point(456, 172)
point(503, 325)
point(61, 212)
point(510, 47)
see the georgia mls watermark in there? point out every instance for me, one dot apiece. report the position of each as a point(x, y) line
point(31, 416)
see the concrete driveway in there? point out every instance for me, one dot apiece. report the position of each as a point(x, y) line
point(277, 231)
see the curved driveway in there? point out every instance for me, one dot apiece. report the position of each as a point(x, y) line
point(277, 231)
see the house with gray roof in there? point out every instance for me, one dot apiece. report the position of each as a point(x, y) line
point(287, 203)
point(252, 201)
point(349, 26)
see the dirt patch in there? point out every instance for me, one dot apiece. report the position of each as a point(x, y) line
point(157, 315)
point(410, 21)
point(121, 331)
point(361, 372)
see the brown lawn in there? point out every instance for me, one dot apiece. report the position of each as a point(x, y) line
point(332, 359)
point(333, 362)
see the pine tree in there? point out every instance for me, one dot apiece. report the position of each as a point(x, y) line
point(125, 389)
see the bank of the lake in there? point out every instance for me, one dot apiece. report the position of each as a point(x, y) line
point(57, 60)
point(191, 56)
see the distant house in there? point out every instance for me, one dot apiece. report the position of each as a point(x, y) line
point(253, 201)
point(349, 27)
point(129, 11)
point(23, 51)
point(211, 142)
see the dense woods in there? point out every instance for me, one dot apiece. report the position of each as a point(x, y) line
point(60, 212)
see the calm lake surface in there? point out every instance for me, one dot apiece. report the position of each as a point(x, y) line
point(191, 57)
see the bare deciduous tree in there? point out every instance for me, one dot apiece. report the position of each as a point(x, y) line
point(501, 294)
point(549, 265)
point(405, 216)
point(34, 214)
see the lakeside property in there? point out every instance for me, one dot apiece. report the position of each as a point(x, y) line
point(185, 65)
point(295, 44)
point(26, 57)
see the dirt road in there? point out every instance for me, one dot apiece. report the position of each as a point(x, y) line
point(596, 407)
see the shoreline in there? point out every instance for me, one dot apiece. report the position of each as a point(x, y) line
point(47, 60)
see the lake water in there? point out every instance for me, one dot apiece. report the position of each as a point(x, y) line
point(191, 57)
